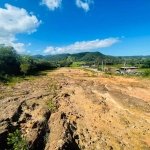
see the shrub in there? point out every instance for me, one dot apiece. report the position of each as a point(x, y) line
point(146, 73)
point(18, 141)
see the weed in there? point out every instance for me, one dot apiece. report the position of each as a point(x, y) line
point(52, 85)
point(50, 105)
point(88, 70)
point(11, 84)
point(18, 141)
point(11, 81)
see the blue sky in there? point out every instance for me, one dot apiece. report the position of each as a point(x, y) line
point(112, 27)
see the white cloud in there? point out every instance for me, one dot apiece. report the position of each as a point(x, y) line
point(14, 20)
point(52, 4)
point(84, 5)
point(82, 46)
point(19, 47)
point(50, 49)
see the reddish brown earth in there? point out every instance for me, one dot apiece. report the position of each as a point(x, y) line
point(94, 111)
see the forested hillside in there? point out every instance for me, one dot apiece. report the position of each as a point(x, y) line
point(87, 57)
point(96, 58)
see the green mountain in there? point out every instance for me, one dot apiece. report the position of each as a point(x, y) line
point(84, 56)
point(59, 57)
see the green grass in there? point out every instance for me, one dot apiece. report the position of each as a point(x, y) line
point(88, 70)
point(77, 64)
point(12, 80)
point(50, 105)
point(144, 69)
point(118, 66)
point(47, 71)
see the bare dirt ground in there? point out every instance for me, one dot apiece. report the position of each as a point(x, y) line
point(94, 111)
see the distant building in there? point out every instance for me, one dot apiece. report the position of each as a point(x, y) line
point(129, 69)
point(85, 66)
point(123, 70)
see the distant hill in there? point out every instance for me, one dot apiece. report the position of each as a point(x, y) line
point(134, 57)
point(84, 56)
point(38, 56)
point(59, 57)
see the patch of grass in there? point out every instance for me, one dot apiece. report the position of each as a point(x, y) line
point(118, 66)
point(11, 81)
point(114, 74)
point(77, 64)
point(52, 84)
point(46, 71)
point(30, 77)
point(50, 105)
point(88, 70)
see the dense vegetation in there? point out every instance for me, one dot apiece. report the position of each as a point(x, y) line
point(13, 64)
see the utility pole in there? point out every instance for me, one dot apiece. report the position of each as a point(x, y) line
point(124, 66)
point(102, 65)
point(105, 66)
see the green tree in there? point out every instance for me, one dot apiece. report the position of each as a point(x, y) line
point(25, 68)
point(9, 61)
point(25, 64)
point(146, 64)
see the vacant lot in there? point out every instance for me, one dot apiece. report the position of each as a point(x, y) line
point(92, 111)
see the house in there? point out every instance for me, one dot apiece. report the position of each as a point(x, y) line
point(129, 70)
point(85, 66)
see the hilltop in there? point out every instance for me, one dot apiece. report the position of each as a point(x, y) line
point(84, 56)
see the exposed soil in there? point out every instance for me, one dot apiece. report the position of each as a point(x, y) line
point(94, 111)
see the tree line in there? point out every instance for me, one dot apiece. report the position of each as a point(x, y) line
point(12, 63)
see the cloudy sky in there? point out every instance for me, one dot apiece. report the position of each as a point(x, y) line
point(113, 27)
